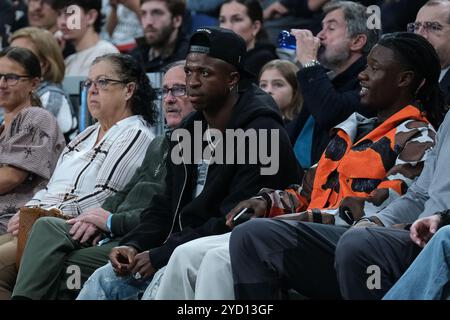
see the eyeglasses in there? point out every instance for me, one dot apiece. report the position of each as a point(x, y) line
point(428, 26)
point(101, 83)
point(12, 79)
point(177, 91)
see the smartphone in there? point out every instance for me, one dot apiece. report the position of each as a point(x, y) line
point(243, 216)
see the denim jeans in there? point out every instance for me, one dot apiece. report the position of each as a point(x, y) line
point(104, 284)
point(428, 277)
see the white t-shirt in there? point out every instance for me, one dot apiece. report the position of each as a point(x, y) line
point(78, 64)
point(128, 25)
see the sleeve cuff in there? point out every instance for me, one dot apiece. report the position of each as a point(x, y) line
point(108, 223)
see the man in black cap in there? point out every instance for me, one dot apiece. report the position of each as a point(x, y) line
point(202, 189)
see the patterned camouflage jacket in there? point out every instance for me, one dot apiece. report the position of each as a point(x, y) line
point(363, 174)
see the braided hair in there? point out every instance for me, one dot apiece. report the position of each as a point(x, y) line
point(418, 55)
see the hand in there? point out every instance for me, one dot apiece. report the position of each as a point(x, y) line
point(275, 11)
point(97, 216)
point(83, 231)
point(123, 259)
point(258, 205)
point(307, 45)
point(13, 224)
point(365, 223)
point(59, 36)
point(315, 5)
point(143, 265)
point(355, 205)
point(423, 229)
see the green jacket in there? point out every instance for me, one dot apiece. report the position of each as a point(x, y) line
point(127, 204)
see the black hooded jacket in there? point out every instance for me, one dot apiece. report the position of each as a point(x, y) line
point(176, 217)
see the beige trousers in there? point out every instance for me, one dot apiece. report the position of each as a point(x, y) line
point(8, 272)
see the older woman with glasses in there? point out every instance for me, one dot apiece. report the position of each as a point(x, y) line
point(30, 143)
point(102, 159)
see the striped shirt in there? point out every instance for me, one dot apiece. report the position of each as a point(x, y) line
point(86, 174)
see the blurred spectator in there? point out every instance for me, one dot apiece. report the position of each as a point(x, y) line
point(30, 141)
point(42, 43)
point(201, 6)
point(42, 15)
point(396, 14)
point(288, 14)
point(163, 41)
point(279, 79)
point(85, 36)
point(6, 22)
point(316, 5)
point(20, 14)
point(123, 23)
point(245, 17)
point(433, 23)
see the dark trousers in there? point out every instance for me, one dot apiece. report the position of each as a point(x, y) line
point(270, 256)
point(362, 252)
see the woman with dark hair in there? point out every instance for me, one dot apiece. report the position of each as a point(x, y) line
point(44, 45)
point(102, 159)
point(366, 166)
point(245, 17)
point(30, 143)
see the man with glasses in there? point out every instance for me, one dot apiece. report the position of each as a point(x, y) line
point(433, 23)
point(120, 213)
point(163, 41)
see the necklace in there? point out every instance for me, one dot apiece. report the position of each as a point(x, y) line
point(209, 138)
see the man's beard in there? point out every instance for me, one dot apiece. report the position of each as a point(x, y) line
point(162, 37)
point(339, 57)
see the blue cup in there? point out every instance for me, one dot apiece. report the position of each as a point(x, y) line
point(286, 40)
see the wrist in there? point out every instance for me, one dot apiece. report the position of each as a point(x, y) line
point(109, 223)
point(309, 64)
point(268, 202)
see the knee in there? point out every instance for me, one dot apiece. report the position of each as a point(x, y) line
point(443, 233)
point(254, 230)
point(46, 226)
point(351, 246)
point(47, 223)
point(185, 252)
point(217, 256)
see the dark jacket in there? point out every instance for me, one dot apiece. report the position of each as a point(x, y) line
point(148, 180)
point(445, 86)
point(297, 8)
point(257, 57)
point(329, 102)
point(6, 21)
point(175, 217)
point(156, 65)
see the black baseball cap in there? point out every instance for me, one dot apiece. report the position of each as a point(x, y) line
point(221, 44)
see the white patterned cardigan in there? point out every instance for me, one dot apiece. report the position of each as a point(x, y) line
point(86, 175)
